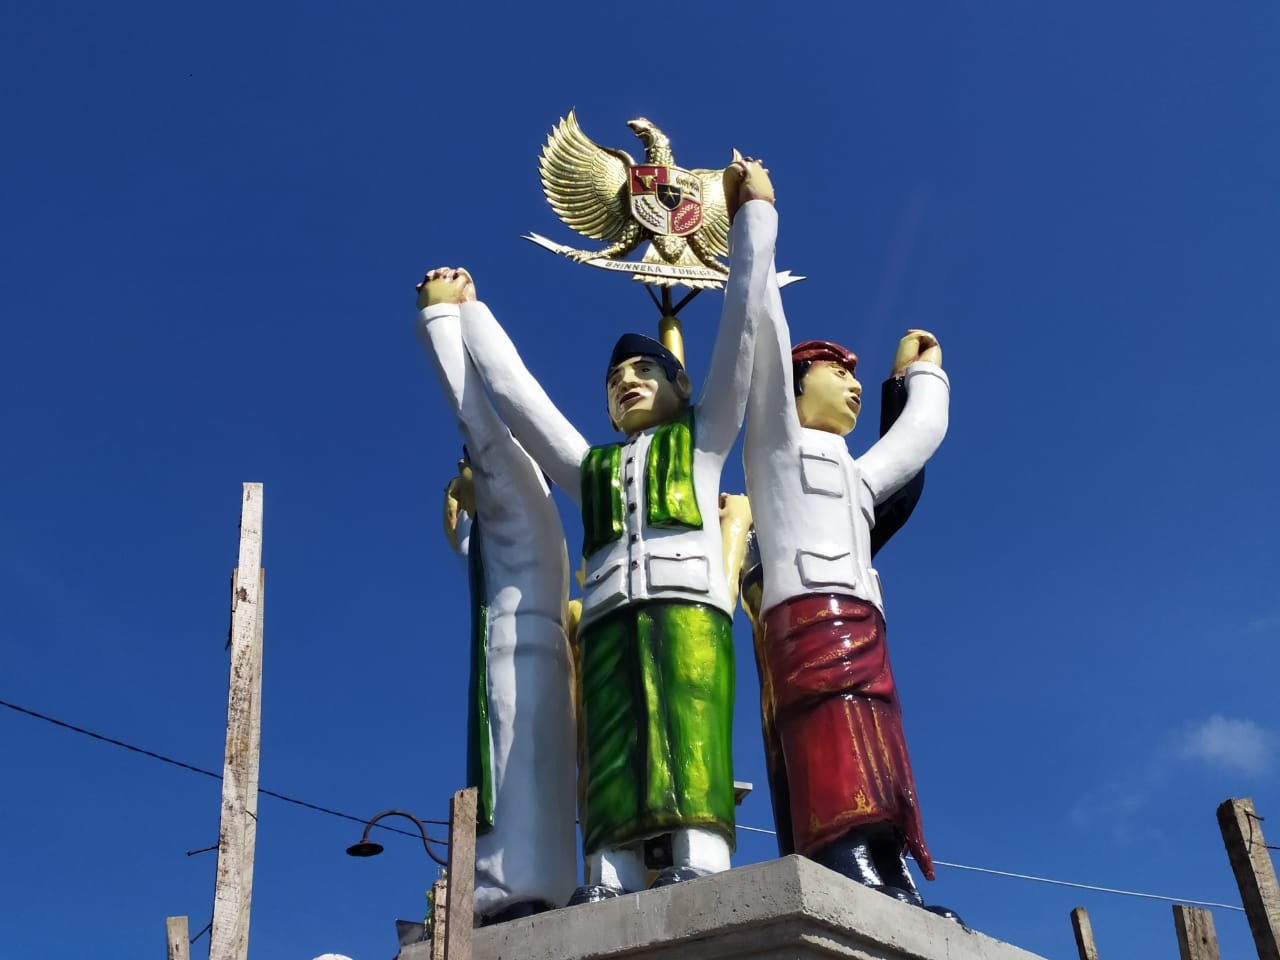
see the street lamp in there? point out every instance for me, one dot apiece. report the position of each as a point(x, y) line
point(368, 848)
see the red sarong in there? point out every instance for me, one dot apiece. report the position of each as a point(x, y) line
point(836, 714)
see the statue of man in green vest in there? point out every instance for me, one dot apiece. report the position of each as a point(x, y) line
point(656, 677)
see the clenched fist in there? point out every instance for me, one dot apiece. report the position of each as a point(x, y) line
point(916, 345)
point(745, 179)
point(445, 285)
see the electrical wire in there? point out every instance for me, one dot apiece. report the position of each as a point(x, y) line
point(1059, 883)
point(207, 927)
point(347, 816)
point(1089, 886)
point(208, 773)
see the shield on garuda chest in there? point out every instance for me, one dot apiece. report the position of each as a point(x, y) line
point(667, 200)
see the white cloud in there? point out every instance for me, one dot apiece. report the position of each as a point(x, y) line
point(1237, 745)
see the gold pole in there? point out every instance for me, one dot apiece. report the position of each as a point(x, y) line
point(671, 337)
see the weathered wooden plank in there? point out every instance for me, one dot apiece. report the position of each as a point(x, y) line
point(1197, 939)
point(179, 937)
point(439, 917)
point(1255, 873)
point(462, 875)
point(233, 886)
point(1084, 934)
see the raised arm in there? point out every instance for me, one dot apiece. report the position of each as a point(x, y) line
point(534, 420)
point(901, 453)
point(439, 327)
point(723, 400)
point(895, 510)
point(893, 513)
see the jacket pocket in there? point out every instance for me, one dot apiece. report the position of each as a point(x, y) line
point(603, 589)
point(821, 474)
point(679, 572)
point(826, 569)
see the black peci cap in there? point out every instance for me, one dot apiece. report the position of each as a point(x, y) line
point(638, 345)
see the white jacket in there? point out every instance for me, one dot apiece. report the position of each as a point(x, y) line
point(529, 678)
point(646, 562)
point(813, 504)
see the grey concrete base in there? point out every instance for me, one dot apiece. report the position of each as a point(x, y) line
point(783, 909)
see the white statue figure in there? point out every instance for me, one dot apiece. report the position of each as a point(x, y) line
point(823, 658)
point(523, 757)
point(656, 686)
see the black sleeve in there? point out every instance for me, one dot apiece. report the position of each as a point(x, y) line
point(893, 513)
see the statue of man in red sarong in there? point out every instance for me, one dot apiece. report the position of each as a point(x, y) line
point(828, 688)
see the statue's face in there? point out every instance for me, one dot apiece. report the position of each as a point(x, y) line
point(832, 398)
point(641, 396)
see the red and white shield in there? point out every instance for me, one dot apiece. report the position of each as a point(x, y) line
point(666, 200)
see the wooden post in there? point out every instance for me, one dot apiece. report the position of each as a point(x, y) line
point(1084, 934)
point(462, 875)
point(1197, 939)
point(439, 917)
point(233, 886)
point(1255, 873)
point(176, 931)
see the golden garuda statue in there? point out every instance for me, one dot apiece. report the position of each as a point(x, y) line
point(604, 194)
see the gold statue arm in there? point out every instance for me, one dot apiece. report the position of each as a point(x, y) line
point(735, 525)
point(459, 498)
point(735, 521)
point(572, 618)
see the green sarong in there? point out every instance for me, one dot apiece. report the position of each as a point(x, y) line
point(657, 719)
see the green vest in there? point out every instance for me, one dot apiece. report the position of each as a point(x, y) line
point(668, 472)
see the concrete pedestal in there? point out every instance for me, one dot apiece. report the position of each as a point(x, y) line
point(785, 909)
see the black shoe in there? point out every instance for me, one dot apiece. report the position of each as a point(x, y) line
point(888, 853)
point(946, 913)
point(593, 893)
point(670, 875)
point(850, 856)
point(516, 911)
point(900, 894)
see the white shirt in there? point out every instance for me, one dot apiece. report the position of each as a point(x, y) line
point(646, 562)
point(814, 504)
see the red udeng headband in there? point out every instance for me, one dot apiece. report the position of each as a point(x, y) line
point(812, 350)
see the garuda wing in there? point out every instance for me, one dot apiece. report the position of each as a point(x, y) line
point(712, 238)
point(586, 184)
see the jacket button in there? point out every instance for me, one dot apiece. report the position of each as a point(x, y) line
point(635, 538)
point(634, 564)
point(631, 508)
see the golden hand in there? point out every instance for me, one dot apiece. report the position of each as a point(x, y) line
point(745, 179)
point(916, 345)
point(459, 496)
point(445, 285)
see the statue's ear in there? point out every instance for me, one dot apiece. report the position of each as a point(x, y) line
point(684, 387)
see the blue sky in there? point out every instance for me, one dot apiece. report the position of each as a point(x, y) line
point(214, 216)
